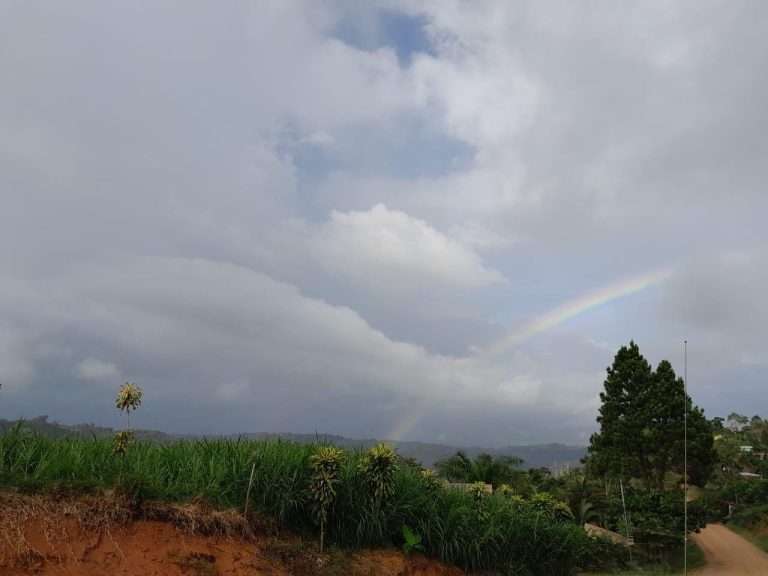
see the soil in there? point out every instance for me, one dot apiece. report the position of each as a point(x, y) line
point(50, 540)
point(728, 554)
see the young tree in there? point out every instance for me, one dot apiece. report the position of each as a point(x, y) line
point(641, 425)
point(326, 466)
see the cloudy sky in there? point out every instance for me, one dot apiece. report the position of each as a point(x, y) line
point(428, 219)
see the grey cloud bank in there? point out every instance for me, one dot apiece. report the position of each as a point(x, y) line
point(309, 216)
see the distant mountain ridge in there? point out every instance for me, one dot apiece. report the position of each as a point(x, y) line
point(553, 456)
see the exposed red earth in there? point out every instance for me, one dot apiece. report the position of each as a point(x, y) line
point(47, 537)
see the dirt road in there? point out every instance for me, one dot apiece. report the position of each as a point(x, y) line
point(729, 554)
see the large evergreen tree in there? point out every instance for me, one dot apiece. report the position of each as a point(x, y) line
point(641, 425)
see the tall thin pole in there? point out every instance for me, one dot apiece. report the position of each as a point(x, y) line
point(626, 521)
point(685, 462)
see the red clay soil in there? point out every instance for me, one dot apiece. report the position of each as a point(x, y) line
point(61, 546)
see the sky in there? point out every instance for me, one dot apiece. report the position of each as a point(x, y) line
point(430, 220)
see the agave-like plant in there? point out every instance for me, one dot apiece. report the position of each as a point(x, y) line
point(478, 491)
point(122, 440)
point(378, 468)
point(430, 480)
point(128, 398)
point(506, 491)
point(543, 502)
point(562, 512)
point(326, 465)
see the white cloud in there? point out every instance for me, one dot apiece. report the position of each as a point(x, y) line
point(319, 139)
point(389, 248)
point(165, 190)
point(95, 369)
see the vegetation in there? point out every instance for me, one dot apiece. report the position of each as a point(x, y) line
point(739, 481)
point(483, 468)
point(378, 468)
point(631, 483)
point(326, 465)
point(641, 425)
point(496, 534)
point(752, 523)
point(128, 398)
point(412, 541)
point(635, 471)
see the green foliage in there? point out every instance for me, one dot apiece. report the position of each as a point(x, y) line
point(478, 492)
point(654, 518)
point(412, 541)
point(326, 464)
point(746, 492)
point(128, 398)
point(751, 516)
point(484, 468)
point(739, 431)
point(543, 503)
point(378, 468)
point(430, 480)
point(506, 491)
point(641, 425)
point(123, 439)
point(562, 512)
point(583, 495)
point(503, 535)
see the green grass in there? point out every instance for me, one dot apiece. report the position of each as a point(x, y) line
point(695, 557)
point(752, 524)
point(492, 535)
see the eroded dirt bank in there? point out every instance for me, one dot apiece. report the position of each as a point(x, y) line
point(93, 537)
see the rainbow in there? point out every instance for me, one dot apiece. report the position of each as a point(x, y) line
point(580, 305)
point(412, 416)
point(559, 315)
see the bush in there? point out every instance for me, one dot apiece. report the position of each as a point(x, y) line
point(750, 517)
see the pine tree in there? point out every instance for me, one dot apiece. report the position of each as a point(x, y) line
point(641, 425)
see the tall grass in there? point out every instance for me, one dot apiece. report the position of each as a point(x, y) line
point(493, 533)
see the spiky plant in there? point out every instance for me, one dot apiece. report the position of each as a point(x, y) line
point(378, 468)
point(123, 439)
point(543, 502)
point(506, 491)
point(431, 481)
point(478, 491)
point(562, 512)
point(326, 465)
point(128, 398)
point(516, 501)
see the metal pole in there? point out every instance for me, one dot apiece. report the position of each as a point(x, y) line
point(685, 462)
point(626, 521)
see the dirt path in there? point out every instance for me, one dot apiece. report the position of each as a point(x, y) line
point(728, 554)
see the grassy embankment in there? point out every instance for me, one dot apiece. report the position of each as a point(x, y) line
point(696, 561)
point(491, 533)
point(752, 523)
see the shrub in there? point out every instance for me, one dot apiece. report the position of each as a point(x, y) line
point(378, 468)
point(325, 471)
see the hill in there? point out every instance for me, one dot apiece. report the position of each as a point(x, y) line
point(553, 456)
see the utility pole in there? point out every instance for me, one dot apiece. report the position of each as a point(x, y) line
point(685, 461)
